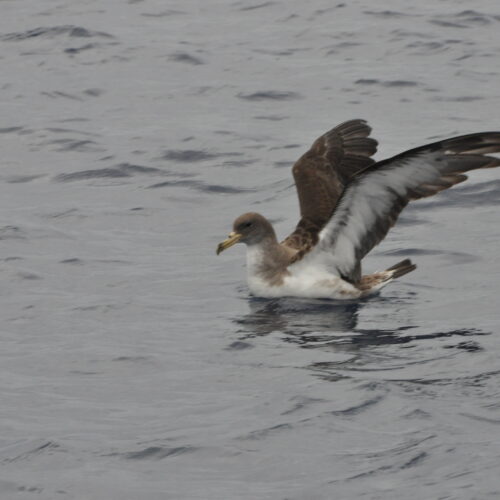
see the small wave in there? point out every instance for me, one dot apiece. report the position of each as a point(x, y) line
point(367, 81)
point(26, 450)
point(379, 337)
point(428, 48)
point(19, 179)
point(336, 47)
point(456, 256)
point(473, 17)
point(201, 186)
point(416, 460)
point(475, 380)
point(157, 452)
point(286, 146)
point(257, 6)
point(388, 83)
point(61, 130)
point(132, 358)
point(93, 92)
point(183, 57)
point(56, 94)
point(193, 155)
point(301, 402)
point(481, 418)
point(26, 275)
point(469, 346)
point(131, 168)
point(399, 83)
point(238, 345)
point(119, 171)
point(356, 409)
point(11, 232)
point(271, 118)
point(92, 174)
point(447, 24)
point(282, 52)
point(270, 95)
point(80, 146)
point(73, 261)
point(461, 98)
point(387, 13)
point(77, 50)
point(54, 31)
point(239, 163)
point(263, 433)
point(164, 13)
point(10, 130)
point(283, 164)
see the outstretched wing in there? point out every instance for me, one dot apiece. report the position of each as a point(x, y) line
point(321, 175)
point(372, 202)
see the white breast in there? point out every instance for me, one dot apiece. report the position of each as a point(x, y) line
point(257, 285)
point(254, 258)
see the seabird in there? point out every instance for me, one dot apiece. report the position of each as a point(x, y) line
point(348, 203)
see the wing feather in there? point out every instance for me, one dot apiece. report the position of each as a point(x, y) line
point(321, 175)
point(373, 200)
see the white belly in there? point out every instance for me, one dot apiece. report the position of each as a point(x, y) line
point(305, 284)
point(306, 278)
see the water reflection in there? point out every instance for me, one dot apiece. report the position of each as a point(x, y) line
point(333, 327)
point(313, 324)
point(296, 316)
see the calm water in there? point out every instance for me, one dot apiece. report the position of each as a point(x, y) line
point(133, 362)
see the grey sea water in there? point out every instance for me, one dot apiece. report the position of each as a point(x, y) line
point(133, 362)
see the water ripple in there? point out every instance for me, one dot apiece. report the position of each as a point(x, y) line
point(270, 95)
point(52, 32)
point(157, 452)
point(192, 155)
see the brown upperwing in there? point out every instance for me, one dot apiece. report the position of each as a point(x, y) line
point(321, 175)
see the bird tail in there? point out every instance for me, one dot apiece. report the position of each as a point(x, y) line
point(372, 283)
point(401, 268)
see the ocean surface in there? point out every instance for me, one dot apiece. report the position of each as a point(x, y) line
point(134, 364)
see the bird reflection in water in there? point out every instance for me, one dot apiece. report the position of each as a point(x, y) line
point(321, 324)
point(309, 323)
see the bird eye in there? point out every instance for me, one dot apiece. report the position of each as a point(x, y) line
point(247, 224)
